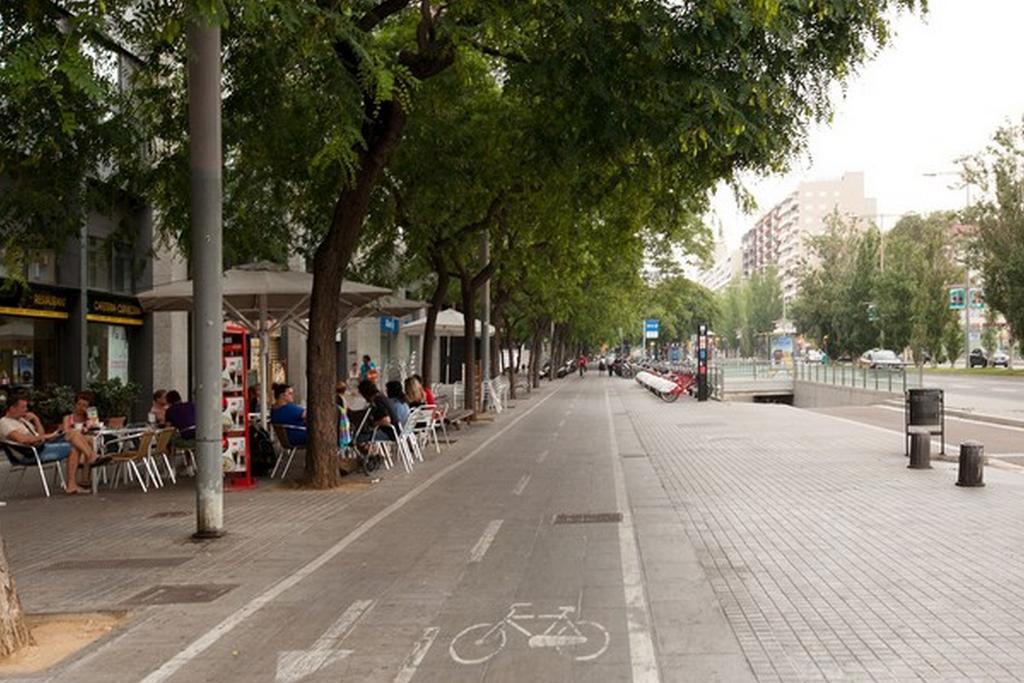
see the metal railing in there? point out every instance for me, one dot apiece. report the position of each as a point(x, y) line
point(753, 376)
point(887, 379)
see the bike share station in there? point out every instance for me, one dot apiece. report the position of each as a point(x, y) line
point(671, 385)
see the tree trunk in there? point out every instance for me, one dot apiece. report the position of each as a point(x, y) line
point(330, 262)
point(536, 349)
point(469, 339)
point(436, 301)
point(14, 633)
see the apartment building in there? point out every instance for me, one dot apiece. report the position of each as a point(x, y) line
point(727, 265)
point(781, 236)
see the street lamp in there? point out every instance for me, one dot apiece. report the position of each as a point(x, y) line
point(967, 270)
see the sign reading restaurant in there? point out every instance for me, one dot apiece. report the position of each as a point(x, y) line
point(38, 301)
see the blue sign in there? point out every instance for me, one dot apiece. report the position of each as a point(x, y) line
point(652, 327)
point(674, 355)
point(389, 324)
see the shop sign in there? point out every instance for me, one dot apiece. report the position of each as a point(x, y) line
point(34, 301)
point(114, 310)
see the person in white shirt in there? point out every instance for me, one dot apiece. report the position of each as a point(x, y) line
point(21, 426)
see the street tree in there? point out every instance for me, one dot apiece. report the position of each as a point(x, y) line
point(998, 173)
point(317, 99)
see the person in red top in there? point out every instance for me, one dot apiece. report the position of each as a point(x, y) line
point(582, 362)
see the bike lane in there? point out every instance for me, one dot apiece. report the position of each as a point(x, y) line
point(459, 552)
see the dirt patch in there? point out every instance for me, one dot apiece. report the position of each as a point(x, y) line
point(58, 636)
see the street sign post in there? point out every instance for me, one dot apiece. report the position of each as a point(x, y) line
point(652, 328)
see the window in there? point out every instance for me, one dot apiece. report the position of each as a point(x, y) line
point(123, 272)
point(42, 267)
point(28, 351)
point(108, 352)
point(99, 263)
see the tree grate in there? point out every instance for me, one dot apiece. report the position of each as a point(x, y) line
point(587, 518)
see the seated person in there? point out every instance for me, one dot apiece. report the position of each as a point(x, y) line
point(181, 415)
point(20, 426)
point(79, 418)
point(159, 407)
point(290, 414)
point(396, 394)
point(382, 413)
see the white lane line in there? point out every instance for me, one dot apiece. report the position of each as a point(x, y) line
point(480, 549)
point(638, 613)
point(542, 457)
point(205, 641)
point(521, 486)
point(419, 651)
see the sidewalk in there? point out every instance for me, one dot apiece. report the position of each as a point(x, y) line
point(830, 558)
point(755, 542)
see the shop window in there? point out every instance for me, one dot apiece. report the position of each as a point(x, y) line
point(28, 351)
point(108, 352)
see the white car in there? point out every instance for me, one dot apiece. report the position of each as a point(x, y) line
point(813, 356)
point(880, 358)
point(999, 359)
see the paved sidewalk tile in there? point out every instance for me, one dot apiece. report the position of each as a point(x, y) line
point(829, 558)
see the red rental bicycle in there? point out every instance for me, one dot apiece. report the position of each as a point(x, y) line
point(684, 382)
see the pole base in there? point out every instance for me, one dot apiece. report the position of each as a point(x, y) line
point(918, 467)
point(971, 486)
point(208, 535)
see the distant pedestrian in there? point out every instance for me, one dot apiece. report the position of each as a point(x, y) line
point(366, 368)
point(600, 367)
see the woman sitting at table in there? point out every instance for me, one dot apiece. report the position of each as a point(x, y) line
point(79, 418)
point(159, 407)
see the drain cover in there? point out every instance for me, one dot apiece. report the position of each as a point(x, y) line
point(120, 563)
point(183, 593)
point(588, 518)
point(170, 513)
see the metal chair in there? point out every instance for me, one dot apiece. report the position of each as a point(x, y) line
point(127, 461)
point(24, 456)
point(281, 433)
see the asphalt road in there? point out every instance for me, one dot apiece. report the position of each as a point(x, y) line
point(986, 394)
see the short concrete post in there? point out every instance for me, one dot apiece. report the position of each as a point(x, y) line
point(972, 464)
point(920, 451)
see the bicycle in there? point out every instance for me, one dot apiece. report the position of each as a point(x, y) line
point(587, 640)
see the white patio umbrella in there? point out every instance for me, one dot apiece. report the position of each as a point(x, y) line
point(263, 297)
point(450, 323)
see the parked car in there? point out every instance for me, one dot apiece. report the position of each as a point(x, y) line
point(977, 359)
point(880, 358)
point(999, 359)
point(812, 356)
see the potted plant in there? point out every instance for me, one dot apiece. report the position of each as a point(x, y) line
point(52, 402)
point(114, 399)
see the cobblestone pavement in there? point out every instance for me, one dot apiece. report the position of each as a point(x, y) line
point(831, 560)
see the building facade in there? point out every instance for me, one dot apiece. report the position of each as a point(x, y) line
point(728, 265)
point(782, 235)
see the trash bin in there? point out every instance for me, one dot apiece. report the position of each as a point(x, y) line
point(925, 408)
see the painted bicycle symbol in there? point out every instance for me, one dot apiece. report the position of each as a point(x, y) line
point(584, 640)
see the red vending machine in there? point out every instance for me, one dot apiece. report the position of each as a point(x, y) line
point(235, 405)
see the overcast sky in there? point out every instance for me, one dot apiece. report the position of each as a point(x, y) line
point(939, 91)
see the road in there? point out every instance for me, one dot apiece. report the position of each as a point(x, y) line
point(986, 394)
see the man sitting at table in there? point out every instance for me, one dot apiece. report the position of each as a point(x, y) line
point(20, 426)
point(290, 414)
point(181, 415)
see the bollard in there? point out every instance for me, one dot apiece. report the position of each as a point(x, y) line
point(920, 451)
point(972, 464)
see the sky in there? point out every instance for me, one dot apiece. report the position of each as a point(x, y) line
point(936, 93)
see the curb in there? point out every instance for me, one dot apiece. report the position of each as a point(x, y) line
point(971, 415)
